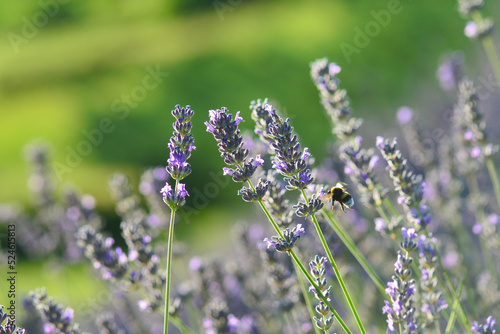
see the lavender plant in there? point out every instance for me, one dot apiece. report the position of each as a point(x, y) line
point(7, 325)
point(181, 144)
point(261, 286)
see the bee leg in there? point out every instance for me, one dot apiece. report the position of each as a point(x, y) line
point(342, 206)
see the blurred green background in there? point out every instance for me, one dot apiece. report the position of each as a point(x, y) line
point(67, 65)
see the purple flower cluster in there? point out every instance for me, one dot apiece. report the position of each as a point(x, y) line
point(477, 28)
point(10, 325)
point(181, 144)
point(409, 185)
point(286, 243)
point(470, 126)
point(486, 328)
point(450, 72)
point(334, 99)
point(288, 159)
point(113, 262)
point(318, 272)
point(360, 166)
point(400, 311)
point(432, 301)
point(56, 319)
point(230, 142)
point(304, 210)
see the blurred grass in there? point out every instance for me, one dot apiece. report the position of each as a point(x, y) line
point(65, 79)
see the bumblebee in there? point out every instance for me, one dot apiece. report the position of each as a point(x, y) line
point(338, 194)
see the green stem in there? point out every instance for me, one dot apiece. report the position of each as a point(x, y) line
point(448, 286)
point(183, 328)
point(309, 305)
point(351, 246)
point(301, 266)
point(335, 268)
point(494, 178)
point(318, 291)
point(480, 218)
point(382, 214)
point(169, 262)
point(489, 46)
point(436, 324)
point(390, 206)
point(453, 315)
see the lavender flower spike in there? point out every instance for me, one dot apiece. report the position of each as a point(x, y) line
point(399, 309)
point(181, 144)
point(487, 328)
point(289, 160)
point(230, 143)
point(286, 243)
point(334, 99)
point(408, 184)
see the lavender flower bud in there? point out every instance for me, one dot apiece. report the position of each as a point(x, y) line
point(487, 328)
point(289, 160)
point(230, 143)
point(409, 185)
point(334, 99)
point(401, 289)
point(10, 326)
point(479, 30)
point(466, 7)
point(286, 243)
point(249, 195)
point(303, 210)
point(181, 143)
point(174, 198)
point(318, 272)
point(361, 166)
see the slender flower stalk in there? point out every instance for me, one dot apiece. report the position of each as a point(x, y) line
point(472, 136)
point(481, 29)
point(359, 163)
point(433, 303)
point(181, 144)
point(292, 164)
point(230, 143)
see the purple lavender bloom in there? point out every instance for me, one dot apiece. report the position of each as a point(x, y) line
point(174, 199)
point(409, 185)
point(289, 160)
point(181, 143)
point(471, 29)
point(487, 328)
point(286, 243)
point(404, 115)
point(334, 99)
point(230, 142)
point(380, 224)
point(401, 290)
point(450, 71)
point(53, 315)
point(361, 164)
point(9, 327)
point(143, 305)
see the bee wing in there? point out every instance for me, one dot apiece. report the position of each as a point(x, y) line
point(341, 185)
point(326, 196)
